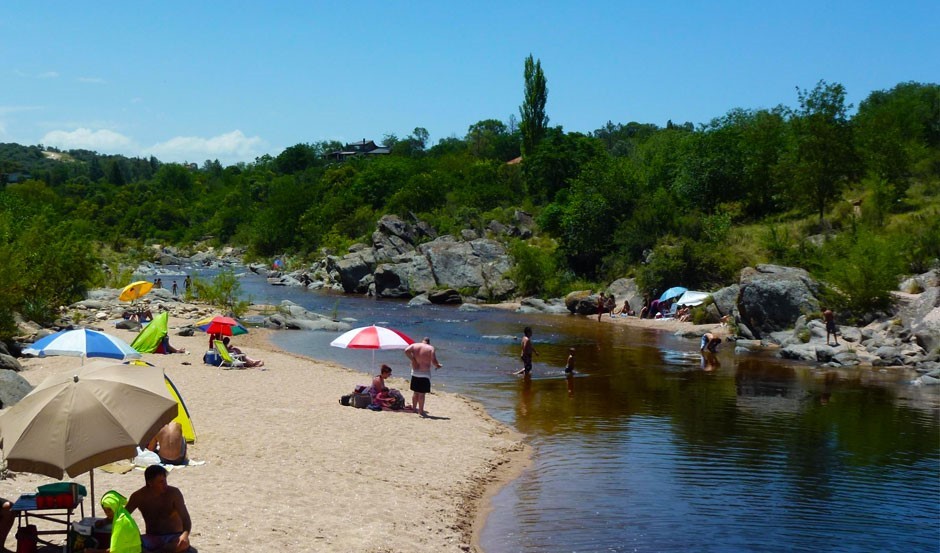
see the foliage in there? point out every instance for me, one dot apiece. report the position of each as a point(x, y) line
point(222, 291)
point(861, 274)
point(533, 120)
point(671, 204)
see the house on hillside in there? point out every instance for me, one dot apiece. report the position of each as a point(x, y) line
point(362, 148)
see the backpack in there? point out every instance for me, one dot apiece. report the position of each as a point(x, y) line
point(360, 400)
point(344, 400)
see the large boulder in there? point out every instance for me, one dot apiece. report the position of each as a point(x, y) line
point(626, 289)
point(581, 302)
point(393, 237)
point(353, 267)
point(408, 277)
point(921, 313)
point(726, 300)
point(772, 297)
point(13, 388)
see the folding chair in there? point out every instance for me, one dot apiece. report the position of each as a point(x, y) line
point(227, 358)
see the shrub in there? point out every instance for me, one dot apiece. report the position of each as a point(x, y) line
point(223, 291)
point(862, 273)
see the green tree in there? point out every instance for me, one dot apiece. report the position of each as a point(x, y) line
point(534, 120)
point(823, 158)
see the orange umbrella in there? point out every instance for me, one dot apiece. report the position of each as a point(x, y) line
point(135, 290)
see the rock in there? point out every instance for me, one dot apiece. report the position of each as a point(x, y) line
point(772, 297)
point(581, 302)
point(468, 235)
point(127, 324)
point(800, 352)
point(846, 358)
point(536, 305)
point(13, 387)
point(469, 307)
point(419, 300)
point(353, 267)
point(9, 363)
point(393, 237)
point(626, 289)
point(726, 299)
point(448, 296)
point(404, 279)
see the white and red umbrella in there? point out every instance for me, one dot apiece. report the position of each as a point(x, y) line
point(373, 337)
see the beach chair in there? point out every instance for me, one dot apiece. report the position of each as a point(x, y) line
point(228, 360)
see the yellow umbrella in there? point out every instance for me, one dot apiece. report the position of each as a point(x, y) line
point(135, 290)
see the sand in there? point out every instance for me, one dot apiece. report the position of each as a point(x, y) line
point(287, 468)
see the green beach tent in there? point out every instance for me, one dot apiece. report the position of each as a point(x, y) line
point(151, 337)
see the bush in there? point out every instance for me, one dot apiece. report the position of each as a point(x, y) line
point(862, 273)
point(222, 291)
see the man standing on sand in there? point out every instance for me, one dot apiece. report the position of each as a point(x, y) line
point(830, 318)
point(422, 356)
point(165, 515)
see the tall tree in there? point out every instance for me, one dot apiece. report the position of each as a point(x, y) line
point(823, 155)
point(534, 121)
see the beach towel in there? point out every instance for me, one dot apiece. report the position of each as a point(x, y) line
point(125, 536)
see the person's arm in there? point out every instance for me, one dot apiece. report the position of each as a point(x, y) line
point(434, 359)
point(134, 498)
point(184, 517)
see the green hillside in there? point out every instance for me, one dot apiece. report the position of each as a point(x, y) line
point(850, 194)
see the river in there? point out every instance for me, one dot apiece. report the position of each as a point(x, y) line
point(645, 450)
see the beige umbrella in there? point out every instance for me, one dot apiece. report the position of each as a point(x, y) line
point(80, 419)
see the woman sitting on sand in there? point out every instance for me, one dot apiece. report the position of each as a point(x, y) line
point(387, 398)
point(249, 362)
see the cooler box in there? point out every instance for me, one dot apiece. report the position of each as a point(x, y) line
point(212, 358)
point(83, 534)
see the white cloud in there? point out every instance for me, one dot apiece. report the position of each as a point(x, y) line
point(48, 75)
point(103, 141)
point(227, 148)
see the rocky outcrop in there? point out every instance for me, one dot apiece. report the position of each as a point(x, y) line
point(397, 265)
point(581, 302)
point(772, 297)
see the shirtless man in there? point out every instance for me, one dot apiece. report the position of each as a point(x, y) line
point(710, 342)
point(165, 515)
point(169, 444)
point(527, 351)
point(830, 318)
point(422, 356)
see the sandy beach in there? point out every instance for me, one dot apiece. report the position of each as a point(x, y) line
point(287, 468)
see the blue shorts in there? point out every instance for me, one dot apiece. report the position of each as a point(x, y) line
point(152, 542)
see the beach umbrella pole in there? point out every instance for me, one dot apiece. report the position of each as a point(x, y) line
point(91, 484)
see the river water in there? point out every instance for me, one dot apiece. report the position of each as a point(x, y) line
point(645, 450)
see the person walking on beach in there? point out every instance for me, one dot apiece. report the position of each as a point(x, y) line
point(601, 304)
point(422, 356)
point(830, 318)
point(527, 351)
point(176, 289)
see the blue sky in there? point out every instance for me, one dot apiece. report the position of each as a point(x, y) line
point(191, 81)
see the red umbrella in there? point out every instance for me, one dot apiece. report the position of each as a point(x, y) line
point(225, 326)
point(373, 337)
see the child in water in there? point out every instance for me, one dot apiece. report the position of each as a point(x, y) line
point(569, 365)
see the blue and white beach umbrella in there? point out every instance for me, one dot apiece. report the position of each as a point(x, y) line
point(83, 343)
point(673, 292)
